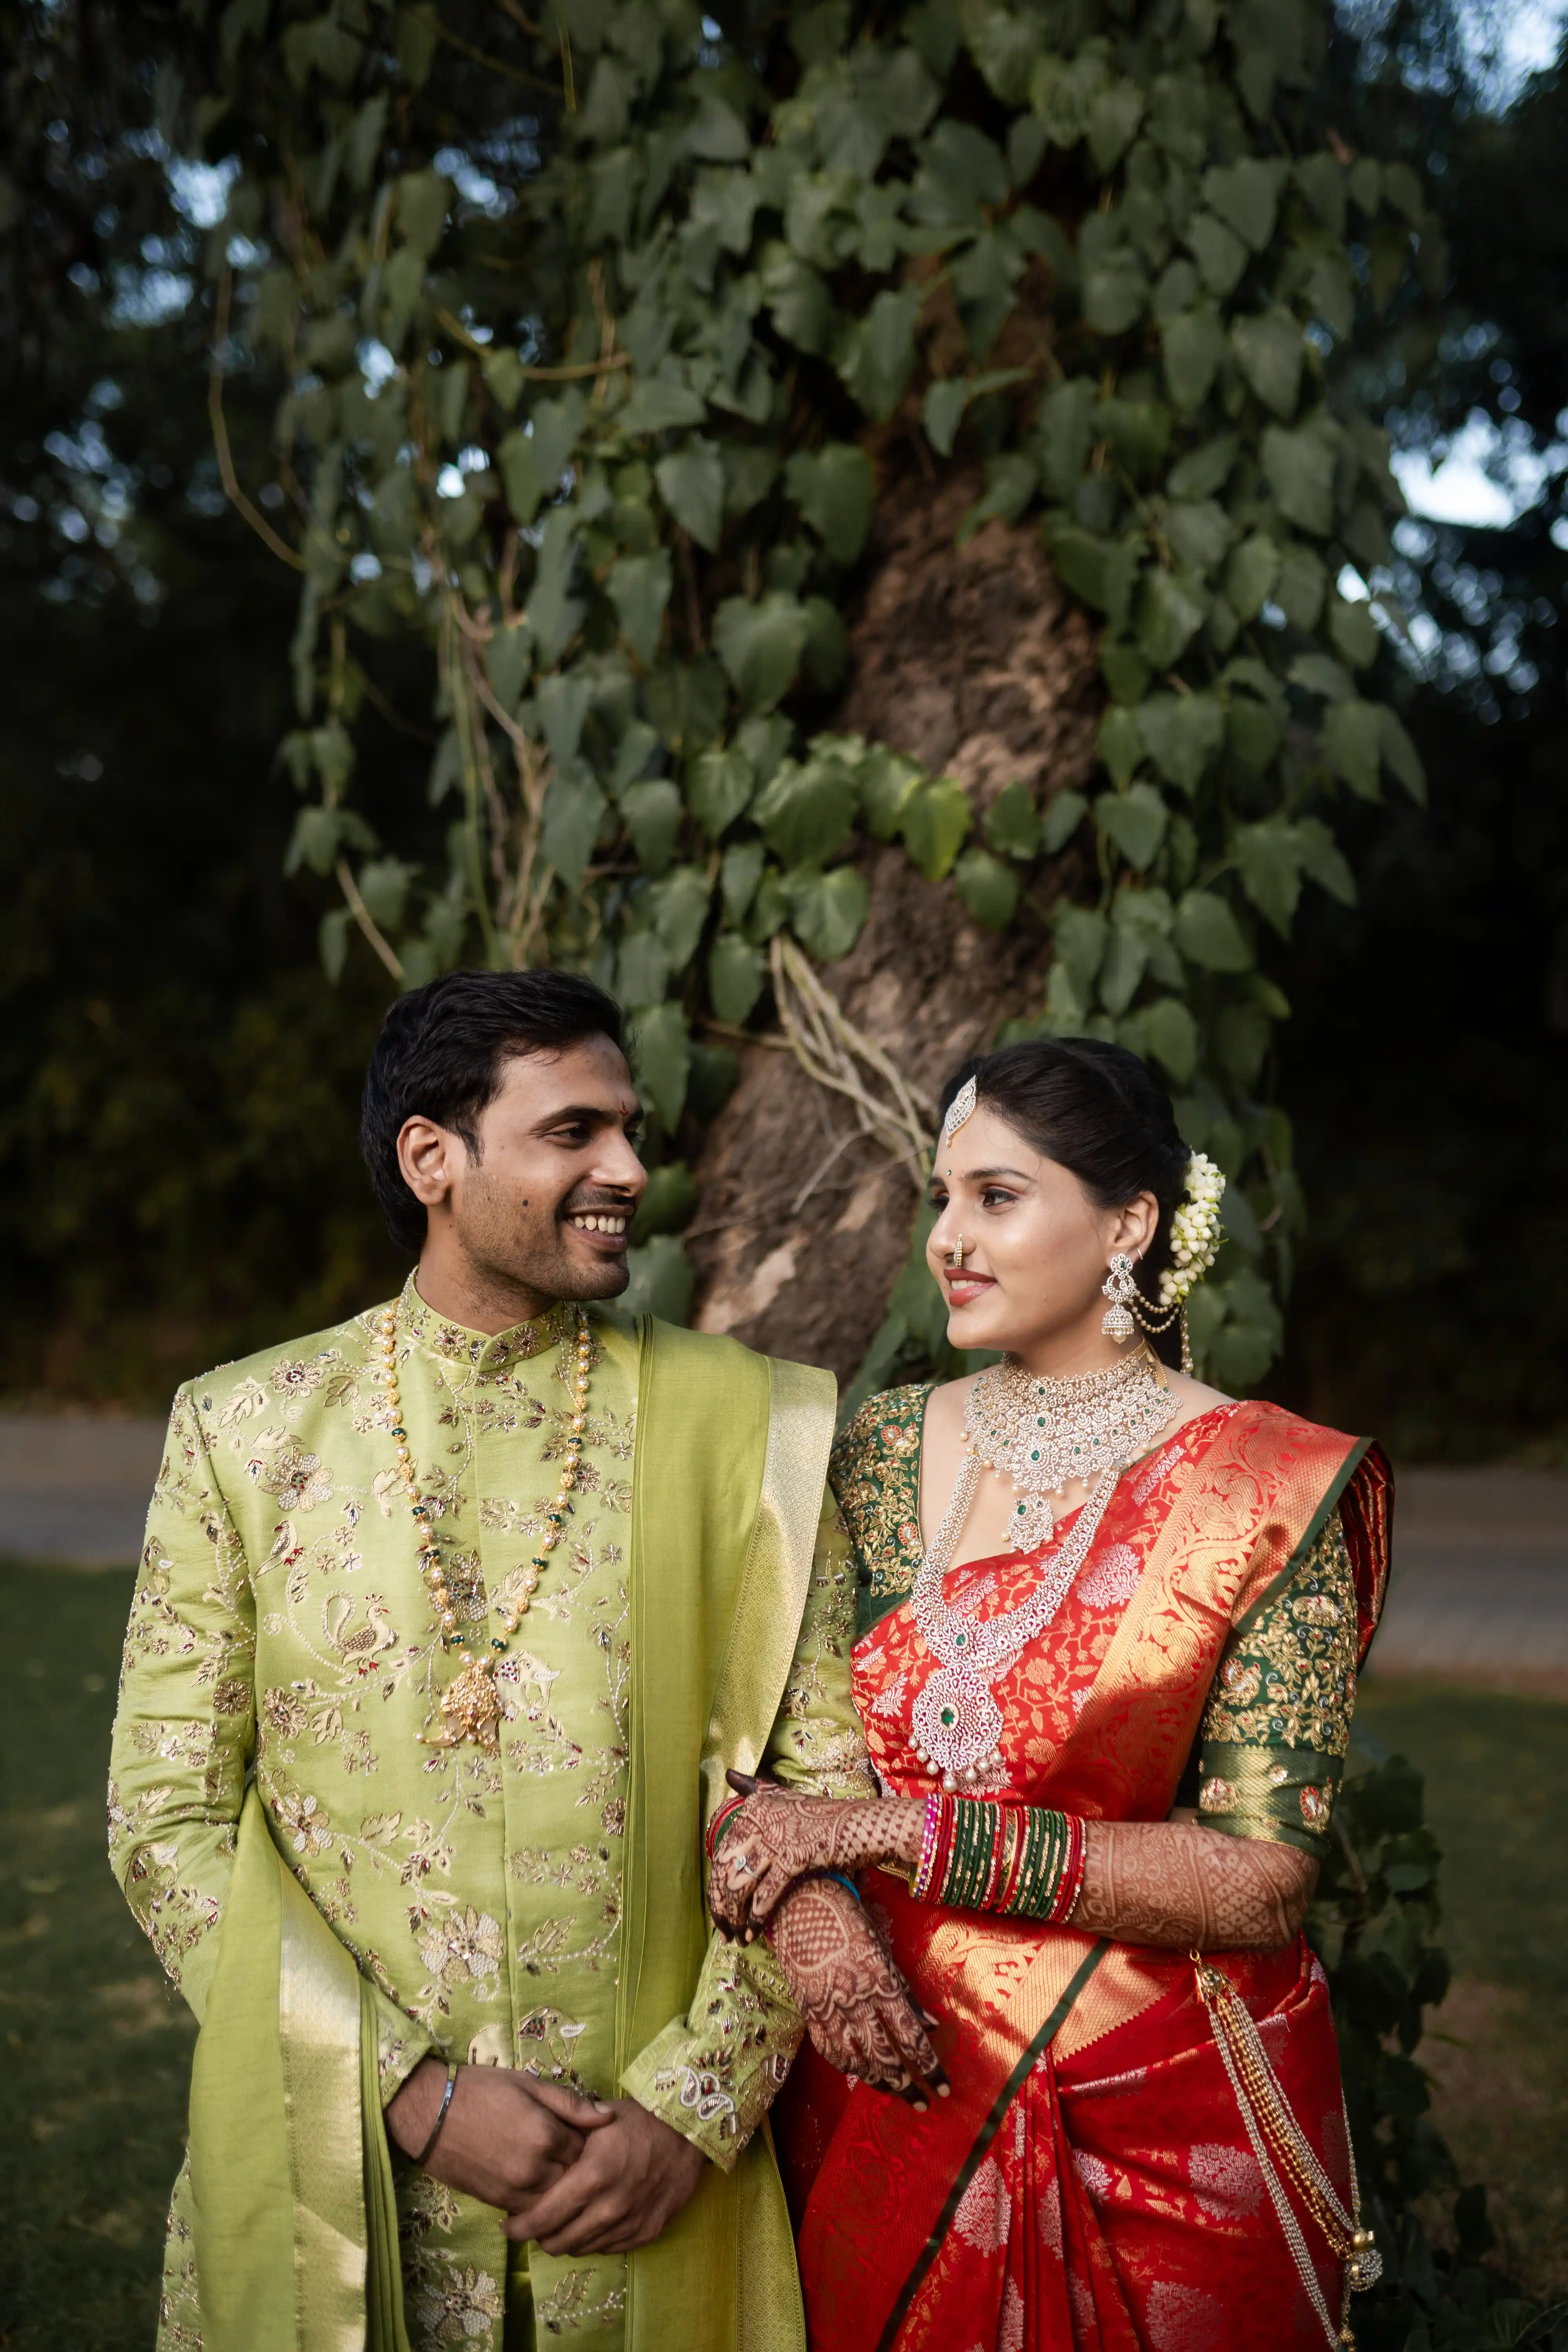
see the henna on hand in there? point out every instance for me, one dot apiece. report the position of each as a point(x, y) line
point(777, 1837)
point(1185, 1887)
point(857, 2009)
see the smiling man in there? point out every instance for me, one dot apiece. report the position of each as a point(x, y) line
point(449, 1621)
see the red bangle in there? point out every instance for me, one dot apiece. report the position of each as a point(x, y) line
point(720, 1822)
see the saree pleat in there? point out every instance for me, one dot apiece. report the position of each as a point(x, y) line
point(1088, 2186)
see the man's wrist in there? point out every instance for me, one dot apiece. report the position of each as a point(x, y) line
point(412, 2111)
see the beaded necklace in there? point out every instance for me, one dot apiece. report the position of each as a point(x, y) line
point(470, 1705)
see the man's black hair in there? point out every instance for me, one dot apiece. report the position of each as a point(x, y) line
point(440, 1057)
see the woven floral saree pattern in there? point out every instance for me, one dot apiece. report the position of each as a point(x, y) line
point(1088, 2184)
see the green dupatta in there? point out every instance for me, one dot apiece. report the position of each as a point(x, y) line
point(294, 2219)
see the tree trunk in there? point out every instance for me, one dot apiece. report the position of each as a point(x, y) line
point(973, 660)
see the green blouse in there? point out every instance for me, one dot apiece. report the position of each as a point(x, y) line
point(1270, 1750)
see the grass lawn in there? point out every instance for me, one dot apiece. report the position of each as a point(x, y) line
point(97, 2052)
point(1497, 1774)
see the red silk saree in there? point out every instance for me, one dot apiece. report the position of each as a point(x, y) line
point(1088, 2186)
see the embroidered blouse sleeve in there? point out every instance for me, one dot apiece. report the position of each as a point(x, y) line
point(713, 2073)
point(184, 1734)
point(1276, 1728)
point(875, 1472)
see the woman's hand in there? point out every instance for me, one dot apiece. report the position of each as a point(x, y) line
point(777, 1837)
point(856, 2006)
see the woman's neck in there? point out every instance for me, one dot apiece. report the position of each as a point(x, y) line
point(1069, 1355)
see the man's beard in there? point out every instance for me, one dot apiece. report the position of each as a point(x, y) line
point(508, 1242)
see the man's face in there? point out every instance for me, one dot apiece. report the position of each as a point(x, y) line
point(547, 1201)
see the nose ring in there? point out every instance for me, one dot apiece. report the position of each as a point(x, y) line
point(956, 1256)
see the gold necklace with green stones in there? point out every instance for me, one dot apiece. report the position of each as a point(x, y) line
point(470, 1704)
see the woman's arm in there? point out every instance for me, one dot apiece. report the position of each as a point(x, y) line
point(1171, 1884)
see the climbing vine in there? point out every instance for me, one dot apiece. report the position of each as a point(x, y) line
point(601, 330)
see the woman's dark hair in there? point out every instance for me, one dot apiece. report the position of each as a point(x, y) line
point(440, 1057)
point(1097, 1110)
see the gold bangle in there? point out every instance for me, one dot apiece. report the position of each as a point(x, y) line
point(440, 2112)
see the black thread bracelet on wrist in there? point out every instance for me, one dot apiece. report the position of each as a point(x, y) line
point(440, 2112)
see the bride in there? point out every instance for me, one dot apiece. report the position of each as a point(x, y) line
point(1108, 1631)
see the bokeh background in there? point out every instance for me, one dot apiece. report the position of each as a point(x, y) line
point(179, 1179)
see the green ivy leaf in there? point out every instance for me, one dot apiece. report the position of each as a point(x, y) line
point(1205, 469)
point(827, 911)
point(1250, 574)
point(1080, 935)
point(1120, 744)
point(1115, 293)
point(1066, 432)
point(1269, 859)
point(1171, 1034)
point(1168, 617)
point(639, 590)
point(1270, 349)
point(1182, 733)
point(1199, 532)
point(736, 971)
point(1012, 823)
point(1064, 812)
point(691, 484)
point(1322, 858)
point(1300, 588)
point(835, 491)
point(1194, 346)
point(760, 645)
point(1010, 483)
point(509, 658)
point(799, 298)
point(677, 909)
point(1317, 674)
point(660, 1278)
point(1100, 571)
point(651, 813)
point(1135, 821)
point(876, 355)
point(935, 824)
point(668, 1203)
point(739, 871)
point(1220, 253)
point(642, 971)
point(719, 787)
point(574, 807)
point(1354, 632)
point(1111, 124)
point(988, 889)
point(1245, 195)
point(887, 782)
point(1300, 468)
point(659, 403)
point(1352, 741)
point(807, 813)
point(661, 1060)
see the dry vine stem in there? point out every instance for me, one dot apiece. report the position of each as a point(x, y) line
point(835, 1053)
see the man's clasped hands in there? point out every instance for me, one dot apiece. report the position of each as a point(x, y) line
point(584, 2176)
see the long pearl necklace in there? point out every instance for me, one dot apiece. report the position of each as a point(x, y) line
point(470, 1705)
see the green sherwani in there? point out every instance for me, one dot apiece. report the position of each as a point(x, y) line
point(471, 1905)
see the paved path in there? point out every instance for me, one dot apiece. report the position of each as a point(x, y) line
point(1480, 1575)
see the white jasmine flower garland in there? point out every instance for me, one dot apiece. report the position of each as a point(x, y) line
point(1195, 1232)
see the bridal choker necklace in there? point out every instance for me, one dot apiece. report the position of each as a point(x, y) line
point(1045, 1435)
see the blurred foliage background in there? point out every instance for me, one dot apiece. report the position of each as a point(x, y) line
point(177, 1172)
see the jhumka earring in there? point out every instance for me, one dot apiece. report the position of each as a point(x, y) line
point(956, 1255)
point(1118, 1286)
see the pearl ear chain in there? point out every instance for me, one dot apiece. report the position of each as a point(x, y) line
point(470, 1705)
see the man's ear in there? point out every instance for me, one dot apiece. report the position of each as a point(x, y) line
point(425, 1155)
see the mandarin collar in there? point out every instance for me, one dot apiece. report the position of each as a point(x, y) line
point(482, 1352)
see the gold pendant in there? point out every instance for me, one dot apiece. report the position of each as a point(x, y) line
point(470, 1709)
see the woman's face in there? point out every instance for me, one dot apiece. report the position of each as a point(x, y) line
point(1036, 1249)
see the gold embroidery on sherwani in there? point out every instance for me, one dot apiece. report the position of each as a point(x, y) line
point(280, 1617)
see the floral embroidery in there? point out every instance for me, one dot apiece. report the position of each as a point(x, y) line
point(875, 1472)
point(1289, 1678)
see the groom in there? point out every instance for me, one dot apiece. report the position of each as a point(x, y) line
point(449, 1620)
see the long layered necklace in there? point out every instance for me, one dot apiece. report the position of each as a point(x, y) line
point(470, 1704)
point(1044, 1432)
